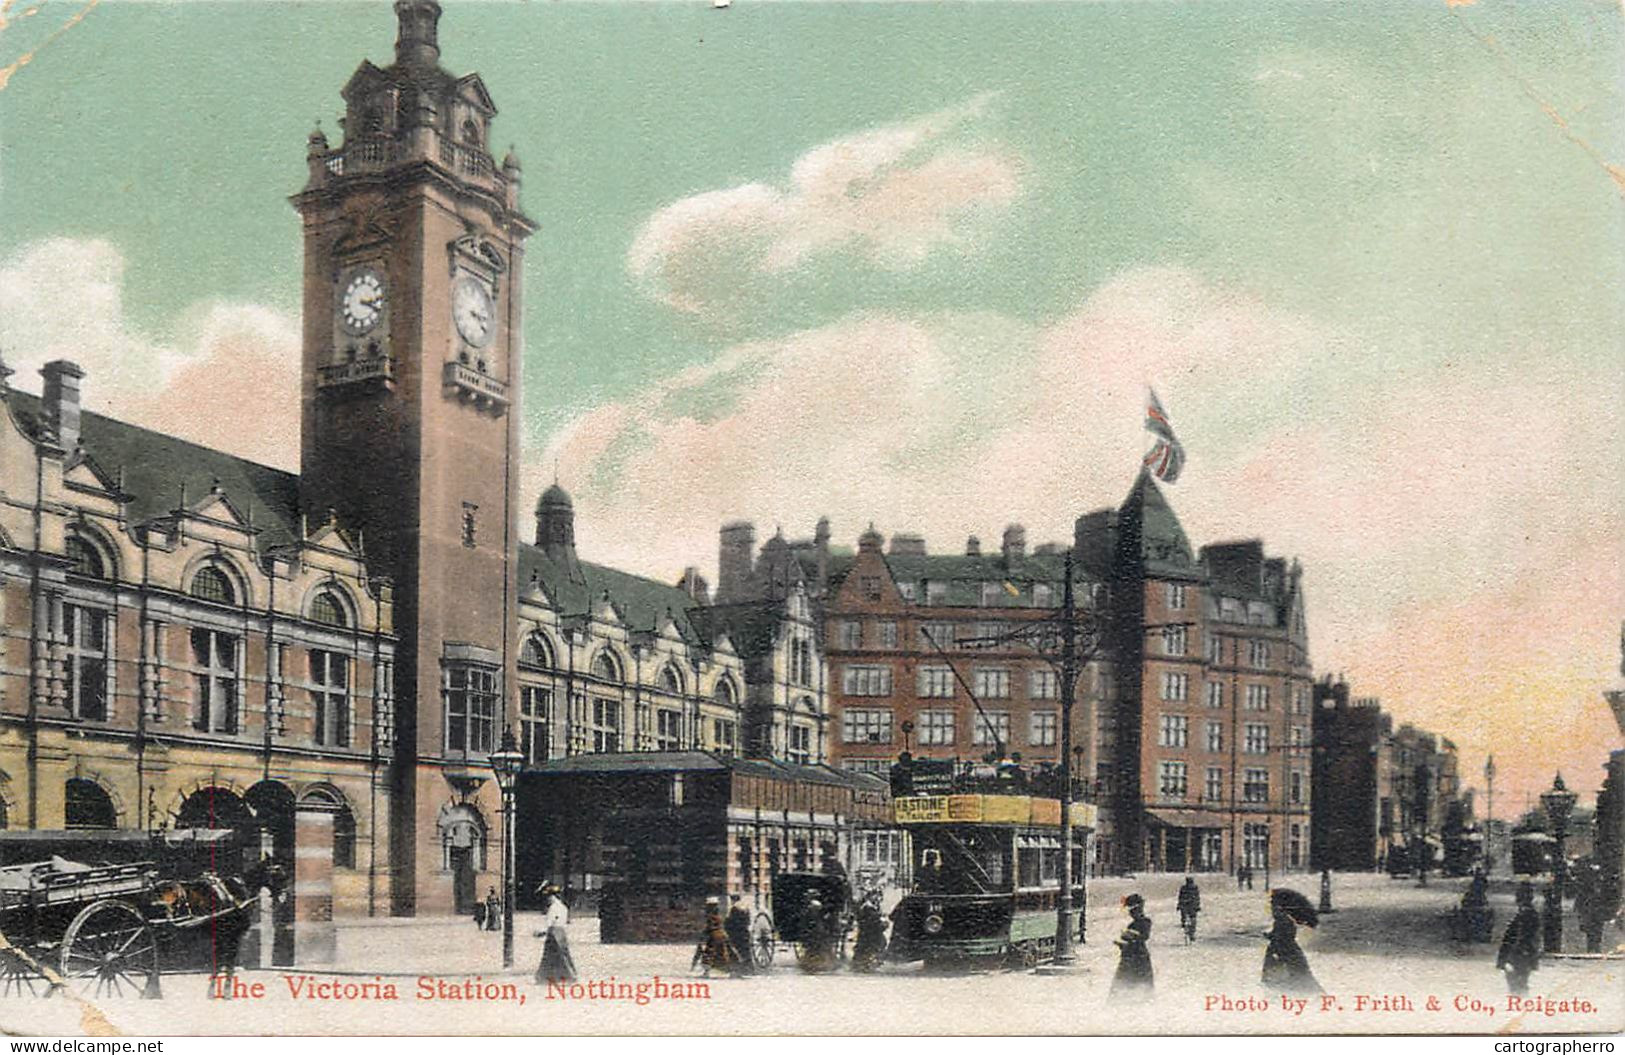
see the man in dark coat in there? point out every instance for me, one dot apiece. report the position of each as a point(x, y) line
point(1520, 945)
point(738, 927)
point(1189, 904)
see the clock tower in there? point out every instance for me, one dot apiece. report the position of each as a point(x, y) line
point(413, 249)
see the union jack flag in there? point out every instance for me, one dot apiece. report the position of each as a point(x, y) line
point(1167, 457)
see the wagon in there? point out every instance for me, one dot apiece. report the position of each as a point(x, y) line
point(111, 930)
point(817, 933)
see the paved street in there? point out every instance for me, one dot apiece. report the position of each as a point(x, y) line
point(1388, 939)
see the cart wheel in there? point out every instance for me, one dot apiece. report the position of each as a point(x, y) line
point(19, 976)
point(762, 942)
point(109, 950)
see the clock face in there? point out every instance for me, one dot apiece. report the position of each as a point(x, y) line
point(471, 309)
point(363, 302)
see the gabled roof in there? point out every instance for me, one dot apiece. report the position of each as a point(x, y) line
point(155, 468)
point(643, 603)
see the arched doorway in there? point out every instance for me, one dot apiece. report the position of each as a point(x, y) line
point(462, 848)
point(86, 804)
point(214, 809)
point(273, 807)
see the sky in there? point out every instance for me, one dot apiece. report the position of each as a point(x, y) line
point(916, 264)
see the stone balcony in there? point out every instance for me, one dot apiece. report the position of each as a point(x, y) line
point(482, 390)
point(379, 369)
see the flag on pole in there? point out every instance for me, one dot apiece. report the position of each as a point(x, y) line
point(1167, 457)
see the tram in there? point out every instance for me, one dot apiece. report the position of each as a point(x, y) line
point(986, 878)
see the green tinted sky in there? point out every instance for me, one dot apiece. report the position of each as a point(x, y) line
point(1408, 175)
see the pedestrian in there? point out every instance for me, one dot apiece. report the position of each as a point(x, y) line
point(493, 910)
point(1190, 905)
point(870, 947)
point(1241, 877)
point(1133, 982)
point(1552, 917)
point(479, 915)
point(737, 925)
point(1520, 945)
point(1286, 968)
point(557, 964)
point(819, 947)
point(713, 949)
point(1249, 877)
point(1589, 906)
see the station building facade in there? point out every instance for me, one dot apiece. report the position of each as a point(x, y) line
point(326, 659)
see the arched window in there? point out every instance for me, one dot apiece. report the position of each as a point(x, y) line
point(328, 610)
point(536, 653)
point(87, 805)
point(343, 825)
point(724, 693)
point(471, 133)
point(605, 667)
point(86, 561)
point(670, 680)
point(212, 584)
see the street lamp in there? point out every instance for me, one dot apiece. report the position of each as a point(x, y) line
point(1489, 815)
point(1558, 801)
point(506, 762)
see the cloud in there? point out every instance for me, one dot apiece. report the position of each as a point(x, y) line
point(1456, 524)
point(894, 196)
point(229, 378)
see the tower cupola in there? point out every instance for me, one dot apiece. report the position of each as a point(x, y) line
point(418, 42)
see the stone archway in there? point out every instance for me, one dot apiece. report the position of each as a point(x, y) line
point(274, 816)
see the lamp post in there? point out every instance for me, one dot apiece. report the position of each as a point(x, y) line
point(506, 762)
point(1558, 801)
point(1489, 815)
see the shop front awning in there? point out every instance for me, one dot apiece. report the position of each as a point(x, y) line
point(1171, 818)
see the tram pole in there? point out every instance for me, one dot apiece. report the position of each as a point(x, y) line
point(1069, 682)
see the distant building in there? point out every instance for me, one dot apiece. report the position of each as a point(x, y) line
point(1385, 796)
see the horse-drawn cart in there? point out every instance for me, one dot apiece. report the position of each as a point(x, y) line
point(112, 930)
point(812, 913)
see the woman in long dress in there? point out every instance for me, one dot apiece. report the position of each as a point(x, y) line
point(1134, 980)
point(1286, 968)
point(557, 964)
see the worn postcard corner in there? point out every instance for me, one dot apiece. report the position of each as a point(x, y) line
point(733, 516)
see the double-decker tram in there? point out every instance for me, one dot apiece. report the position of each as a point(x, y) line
point(987, 878)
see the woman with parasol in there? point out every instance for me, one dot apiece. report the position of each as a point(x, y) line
point(1286, 969)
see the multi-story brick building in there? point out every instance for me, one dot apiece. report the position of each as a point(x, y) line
point(1191, 722)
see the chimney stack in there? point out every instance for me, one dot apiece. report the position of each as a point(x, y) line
point(694, 584)
point(973, 547)
point(1015, 542)
point(62, 400)
point(735, 554)
point(907, 545)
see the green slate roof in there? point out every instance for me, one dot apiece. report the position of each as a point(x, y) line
point(156, 467)
point(750, 625)
point(643, 603)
